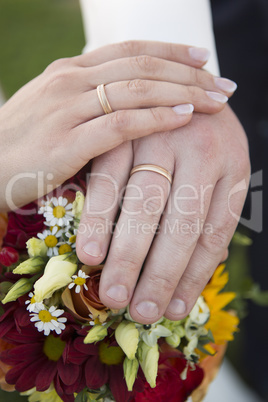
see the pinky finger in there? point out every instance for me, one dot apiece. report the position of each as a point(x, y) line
point(107, 132)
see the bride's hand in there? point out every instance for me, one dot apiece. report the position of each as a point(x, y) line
point(55, 124)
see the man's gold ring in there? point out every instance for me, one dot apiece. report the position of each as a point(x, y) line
point(152, 168)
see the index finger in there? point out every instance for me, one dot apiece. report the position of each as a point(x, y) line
point(190, 55)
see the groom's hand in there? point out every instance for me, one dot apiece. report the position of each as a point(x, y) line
point(197, 215)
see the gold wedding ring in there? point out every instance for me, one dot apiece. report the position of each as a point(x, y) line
point(103, 99)
point(152, 168)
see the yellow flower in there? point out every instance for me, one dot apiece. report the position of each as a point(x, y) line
point(36, 247)
point(58, 274)
point(31, 266)
point(221, 323)
point(19, 288)
point(96, 334)
point(78, 205)
point(130, 372)
point(127, 337)
point(148, 359)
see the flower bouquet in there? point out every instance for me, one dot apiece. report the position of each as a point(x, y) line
point(58, 342)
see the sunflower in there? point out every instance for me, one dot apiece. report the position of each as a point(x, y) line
point(221, 323)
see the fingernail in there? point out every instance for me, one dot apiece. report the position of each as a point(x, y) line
point(183, 109)
point(217, 97)
point(147, 309)
point(225, 84)
point(176, 307)
point(199, 53)
point(93, 249)
point(118, 293)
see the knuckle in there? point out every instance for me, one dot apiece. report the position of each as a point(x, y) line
point(119, 121)
point(58, 64)
point(161, 283)
point(139, 87)
point(129, 47)
point(153, 206)
point(147, 64)
point(157, 116)
point(195, 76)
point(127, 260)
point(216, 241)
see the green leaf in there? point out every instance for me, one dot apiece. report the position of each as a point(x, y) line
point(257, 295)
point(241, 239)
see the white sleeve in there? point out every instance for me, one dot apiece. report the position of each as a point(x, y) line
point(179, 21)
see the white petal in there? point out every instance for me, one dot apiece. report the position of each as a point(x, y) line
point(77, 289)
point(62, 319)
point(35, 318)
point(57, 313)
point(71, 285)
point(85, 286)
point(68, 207)
point(58, 331)
point(64, 202)
point(52, 308)
point(55, 201)
point(62, 326)
point(49, 252)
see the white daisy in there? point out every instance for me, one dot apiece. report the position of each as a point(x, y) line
point(51, 239)
point(69, 245)
point(96, 321)
point(32, 305)
point(71, 238)
point(48, 320)
point(57, 211)
point(79, 280)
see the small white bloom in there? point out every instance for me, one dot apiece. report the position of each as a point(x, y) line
point(48, 320)
point(79, 281)
point(51, 239)
point(71, 238)
point(57, 211)
point(32, 305)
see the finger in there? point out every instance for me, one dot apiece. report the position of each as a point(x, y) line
point(143, 204)
point(225, 255)
point(218, 231)
point(109, 175)
point(153, 68)
point(173, 246)
point(192, 56)
point(107, 132)
point(146, 94)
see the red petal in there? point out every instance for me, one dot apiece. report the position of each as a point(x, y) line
point(22, 353)
point(46, 375)
point(96, 373)
point(118, 385)
point(87, 349)
point(68, 372)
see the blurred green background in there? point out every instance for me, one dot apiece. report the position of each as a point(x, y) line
point(33, 33)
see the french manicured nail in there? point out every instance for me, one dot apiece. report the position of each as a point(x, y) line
point(225, 84)
point(217, 97)
point(199, 53)
point(147, 309)
point(93, 249)
point(176, 307)
point(118, 293)
point(183, 109)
